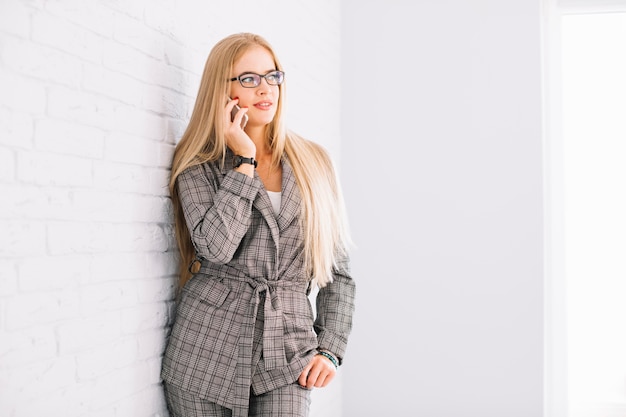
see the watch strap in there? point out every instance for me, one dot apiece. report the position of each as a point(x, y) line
point(238, 160)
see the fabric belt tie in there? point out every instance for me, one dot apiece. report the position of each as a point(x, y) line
point(273, 328)
point(273, 325)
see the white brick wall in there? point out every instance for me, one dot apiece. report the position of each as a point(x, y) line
point(93, 97)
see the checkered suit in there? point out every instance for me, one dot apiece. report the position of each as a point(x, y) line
point(245, 320)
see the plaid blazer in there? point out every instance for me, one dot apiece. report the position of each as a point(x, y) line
point(245, 320)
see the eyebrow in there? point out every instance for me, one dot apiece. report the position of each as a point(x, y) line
point(260, 73)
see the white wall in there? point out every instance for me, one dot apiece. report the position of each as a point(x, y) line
point(442, 166)
point(93, 96)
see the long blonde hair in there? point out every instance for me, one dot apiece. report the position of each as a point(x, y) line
point(323, 219)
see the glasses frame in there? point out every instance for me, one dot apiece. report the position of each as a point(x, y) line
point(238, 78)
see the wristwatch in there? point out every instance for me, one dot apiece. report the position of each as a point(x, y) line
point(238, 160)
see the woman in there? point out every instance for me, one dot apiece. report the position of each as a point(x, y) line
point(259, 221)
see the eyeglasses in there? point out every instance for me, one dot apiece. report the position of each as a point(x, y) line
point(251, 80)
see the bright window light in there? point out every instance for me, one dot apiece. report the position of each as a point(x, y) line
point(594, 145)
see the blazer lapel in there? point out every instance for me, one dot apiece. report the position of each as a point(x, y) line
point(290, 198)
point(264, 205)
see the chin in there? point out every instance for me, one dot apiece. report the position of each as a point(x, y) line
point(262, 121)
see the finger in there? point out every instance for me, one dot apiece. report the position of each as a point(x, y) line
point(326, 374)
point(312, 378)
point(239, 116)
point(231, 103)
point(319, 383)
point(303, 376)
point(229, 108)
point(325, 379)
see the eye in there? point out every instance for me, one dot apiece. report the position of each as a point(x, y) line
point(247, 79)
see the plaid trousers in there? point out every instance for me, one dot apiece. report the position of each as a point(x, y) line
point(288, 401)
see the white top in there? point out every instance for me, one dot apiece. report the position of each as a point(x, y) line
point(275, 197)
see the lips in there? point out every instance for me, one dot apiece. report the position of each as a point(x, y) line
point(263, 105)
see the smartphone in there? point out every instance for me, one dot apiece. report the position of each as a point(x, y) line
point(236, 108)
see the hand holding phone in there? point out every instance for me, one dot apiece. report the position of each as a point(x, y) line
point(234, 111)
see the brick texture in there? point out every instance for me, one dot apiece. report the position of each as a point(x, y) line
point(93, 98)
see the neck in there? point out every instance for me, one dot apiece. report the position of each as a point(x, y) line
point(257, 134)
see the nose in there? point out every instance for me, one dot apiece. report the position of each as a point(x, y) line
point(264, 87)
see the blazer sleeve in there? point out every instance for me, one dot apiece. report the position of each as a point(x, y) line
point(335, 308)
point(217, 210)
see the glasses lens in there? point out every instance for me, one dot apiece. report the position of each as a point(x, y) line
point(275, 77)
point(249, 80)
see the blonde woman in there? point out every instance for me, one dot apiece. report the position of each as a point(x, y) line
point(259, 221)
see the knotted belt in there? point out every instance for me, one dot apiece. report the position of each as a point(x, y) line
point(273, 326)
